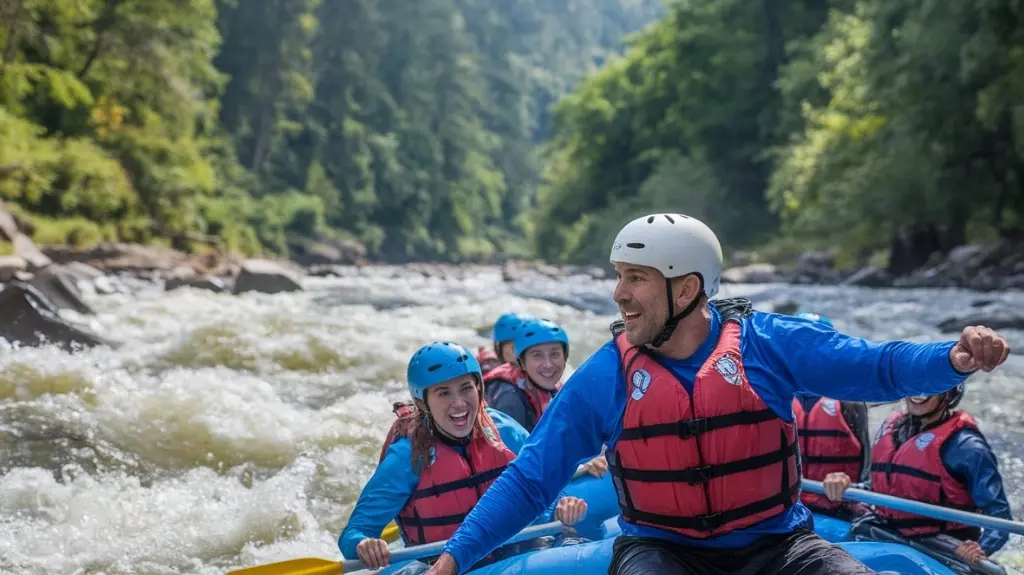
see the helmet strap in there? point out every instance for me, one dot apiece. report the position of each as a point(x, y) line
point(673, 320)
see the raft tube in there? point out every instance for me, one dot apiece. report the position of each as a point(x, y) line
point(595, 556)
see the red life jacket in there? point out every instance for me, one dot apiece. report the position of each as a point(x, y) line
point(450, 484)
point(537, 398)
point(487, 359)
point(827, 444)
point(914, 470)
point(705, 465)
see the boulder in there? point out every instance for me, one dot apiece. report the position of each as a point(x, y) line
point(266, 276)
point(28, 317)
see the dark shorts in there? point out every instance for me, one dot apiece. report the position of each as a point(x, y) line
point(798, 553)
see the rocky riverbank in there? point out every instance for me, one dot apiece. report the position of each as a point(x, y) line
point(44, 289)
point(986, 268)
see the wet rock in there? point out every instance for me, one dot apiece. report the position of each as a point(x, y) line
point(324, 251)
point(996, 317)
point(510, 272)
point(266, 276)
point(1015, 282)
point(550, 271)
point(187, 277)
point(114, 256)
point(208, 283)
point(29, 318)
point(871, 276)
point(34, 258)
point(753, 274)
point(60, 286)
point(10, 266)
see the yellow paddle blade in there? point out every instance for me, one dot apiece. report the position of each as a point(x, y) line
point(307, 566)
point(390, 533)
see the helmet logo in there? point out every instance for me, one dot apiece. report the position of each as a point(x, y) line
point(727, 367)
point(641, 381)
point(829, 405)
point(923, 440)
point(617, 246)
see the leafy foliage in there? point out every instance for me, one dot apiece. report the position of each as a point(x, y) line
point(411, 126)
point(829, 121)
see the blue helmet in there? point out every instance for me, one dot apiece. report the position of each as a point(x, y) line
point(437, 363)
point(537, 331)
point(815, 317)
point(506, 326)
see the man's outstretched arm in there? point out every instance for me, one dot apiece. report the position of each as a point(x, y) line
point(573, 427)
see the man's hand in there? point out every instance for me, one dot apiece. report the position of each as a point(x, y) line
point(373, 553)
point(979, 348)
point(445, 565)
point(836, 484)
point(597, 466)
point(570, 510)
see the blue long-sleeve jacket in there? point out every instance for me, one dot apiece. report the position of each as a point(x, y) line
point(395, 480)
point(968, 458)
point(781, 355)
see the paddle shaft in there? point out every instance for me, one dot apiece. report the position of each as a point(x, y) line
point(984, 566)
point(431, 549)
point(919, 508)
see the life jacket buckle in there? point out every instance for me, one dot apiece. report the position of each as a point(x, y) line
point(692, 428)
point(696, 475)
point(709, 522)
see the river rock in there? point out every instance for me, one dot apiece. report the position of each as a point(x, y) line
point(870, 276)
point(29, 318)
point(10, 266)
point(325, 251)
point(116, 256)
point(60, 286)
point(266, 276)
point(996, 317)
point(186, 277)
point(510, 272)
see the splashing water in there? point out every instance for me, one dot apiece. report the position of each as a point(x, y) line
point(232, 431)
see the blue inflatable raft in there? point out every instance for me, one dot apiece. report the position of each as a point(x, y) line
point(601, 526)
point(883, 553)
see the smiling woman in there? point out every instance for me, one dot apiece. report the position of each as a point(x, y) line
point(454, 404)
point(439, 459)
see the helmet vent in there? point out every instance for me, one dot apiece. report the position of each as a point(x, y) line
point(635, 245)
point(650, 220)
point(434, 367)
point(669, 218)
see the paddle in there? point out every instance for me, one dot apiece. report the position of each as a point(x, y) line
point(944, 556)
point(919, 508)
point(390, 532)
point(311, 566)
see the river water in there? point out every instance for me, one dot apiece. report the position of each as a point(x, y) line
point(238, 430)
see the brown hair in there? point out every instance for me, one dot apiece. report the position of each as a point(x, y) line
point(420, 430)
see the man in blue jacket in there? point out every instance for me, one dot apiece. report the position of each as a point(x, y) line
point(694, 402)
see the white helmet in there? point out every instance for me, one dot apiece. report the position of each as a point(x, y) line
point(673, 244)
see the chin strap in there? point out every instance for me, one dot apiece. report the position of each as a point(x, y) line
point(673, 320)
